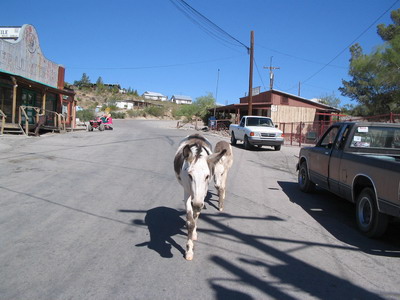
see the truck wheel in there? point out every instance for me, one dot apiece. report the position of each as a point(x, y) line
point(233, 140)
point(305, 184)
point(246, 143)
point(89, 128)
point(101, 127)
point(277, 148)
point(370, 221)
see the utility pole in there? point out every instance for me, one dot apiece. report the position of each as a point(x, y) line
point(216, 94)
point(299, 88)
point(250, 109)
point(271, 74)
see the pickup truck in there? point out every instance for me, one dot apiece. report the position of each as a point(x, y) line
point(359, 162)
point(256, 131)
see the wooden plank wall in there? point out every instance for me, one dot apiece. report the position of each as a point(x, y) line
point(290, 114)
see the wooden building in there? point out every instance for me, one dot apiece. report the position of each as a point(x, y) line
point(32, 93)
point(281, 107)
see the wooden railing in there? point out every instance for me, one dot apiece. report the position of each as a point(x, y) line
point(3, 121)
point(49, 118)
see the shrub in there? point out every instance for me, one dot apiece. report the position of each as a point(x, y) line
point(134, 113)
point(117, 115)
point(155, 111)
point(85, 115)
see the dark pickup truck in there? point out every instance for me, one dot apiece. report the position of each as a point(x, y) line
point(359, 162)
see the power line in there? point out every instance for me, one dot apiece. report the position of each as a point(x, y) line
point(259, 74)
point(361, 34)
point(206, 24)
point(154, 67)
point(299, 58)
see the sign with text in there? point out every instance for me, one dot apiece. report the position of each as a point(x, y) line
point(24, 57)
point(9, 32)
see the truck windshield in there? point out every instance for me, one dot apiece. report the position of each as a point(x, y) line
point(376, 137)
point(259, 122)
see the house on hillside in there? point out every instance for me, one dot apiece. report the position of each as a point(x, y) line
point(154, 96)
point(32, 93)
point(134, 104)
point(281, 107)
point(126, 104)
point(181, 99)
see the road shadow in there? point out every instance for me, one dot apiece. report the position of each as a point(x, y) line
point(163, 223)
point(211, 199)
point(337, 216)
point(291, 271)
point(255, 148)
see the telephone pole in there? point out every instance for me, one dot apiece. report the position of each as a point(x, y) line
point(271, 74)
point(250, 108)
point(216, 94)
point(299, 88)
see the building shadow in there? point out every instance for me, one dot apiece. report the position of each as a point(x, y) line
point(337, 216)
point(163, 223)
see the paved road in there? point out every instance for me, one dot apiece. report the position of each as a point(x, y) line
point(99, 215)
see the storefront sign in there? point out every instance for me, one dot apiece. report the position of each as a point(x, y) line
point(24, 57)
point(9, 32)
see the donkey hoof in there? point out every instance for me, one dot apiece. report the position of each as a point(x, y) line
point(189, 256)
point(221, 209)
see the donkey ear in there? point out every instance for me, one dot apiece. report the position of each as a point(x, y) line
point(187, 153)
point(214, 158)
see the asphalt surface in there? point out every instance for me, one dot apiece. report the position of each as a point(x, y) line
point(100, 215)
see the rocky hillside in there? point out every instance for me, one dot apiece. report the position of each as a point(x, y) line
point(90, 98)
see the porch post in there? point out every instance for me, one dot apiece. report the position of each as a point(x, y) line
point(14, 101)
point(73, 125)
point(44, 100)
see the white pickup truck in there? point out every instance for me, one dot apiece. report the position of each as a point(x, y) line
point(256, 131)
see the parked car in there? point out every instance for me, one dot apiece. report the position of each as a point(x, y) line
point(256, 131)
point(359, 162)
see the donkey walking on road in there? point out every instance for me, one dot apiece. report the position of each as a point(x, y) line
point(221, 170)
point(194, 165)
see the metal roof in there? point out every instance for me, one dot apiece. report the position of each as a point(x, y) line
point(182, 97)
point(153, 94)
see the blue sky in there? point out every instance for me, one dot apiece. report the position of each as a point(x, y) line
point(152, 46)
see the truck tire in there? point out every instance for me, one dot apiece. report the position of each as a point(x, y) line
point(277, 148)
point(370, 221)
point(304, 182)
point(233, 140)
point(89, 128)
point(246, 143)
point(101, 127)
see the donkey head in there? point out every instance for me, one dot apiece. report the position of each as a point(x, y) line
point(200, 169)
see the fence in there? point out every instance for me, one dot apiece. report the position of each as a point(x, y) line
point(299, 133)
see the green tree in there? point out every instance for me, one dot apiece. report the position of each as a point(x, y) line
point(84, 82)
point(375, 77)
point(203, 105)
point(187, 111)
point(389, 32)
point(330, 100)
point(100, 85)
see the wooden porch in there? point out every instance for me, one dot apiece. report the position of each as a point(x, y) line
point(32, 120)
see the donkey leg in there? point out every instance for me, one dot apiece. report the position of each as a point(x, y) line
point(196, 214)
point(191, 227)
point(221, 198)
point(221, 193)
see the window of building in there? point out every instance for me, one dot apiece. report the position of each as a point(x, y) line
point(6, 100)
